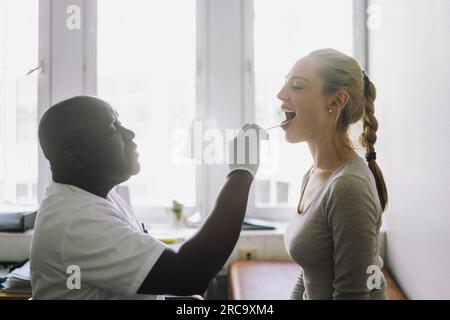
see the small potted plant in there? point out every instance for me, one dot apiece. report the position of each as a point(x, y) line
point(177, 210)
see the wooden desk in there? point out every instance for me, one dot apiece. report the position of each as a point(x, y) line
point(14, 296)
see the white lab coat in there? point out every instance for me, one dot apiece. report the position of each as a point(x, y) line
point(101, 237)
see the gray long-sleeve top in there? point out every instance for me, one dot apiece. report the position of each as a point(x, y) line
point(335, 240)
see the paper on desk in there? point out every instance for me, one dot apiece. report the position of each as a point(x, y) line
point(22, 273)
point(19, 280)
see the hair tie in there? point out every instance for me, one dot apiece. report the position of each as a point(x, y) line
point(371, 156)
point(366, 83)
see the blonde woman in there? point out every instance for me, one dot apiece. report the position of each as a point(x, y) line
point(334, 235)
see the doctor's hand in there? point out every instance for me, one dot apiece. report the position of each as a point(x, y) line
point(244, 149)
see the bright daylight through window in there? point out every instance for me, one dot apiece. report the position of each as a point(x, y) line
point(146, 70)
point(18, 104)
point(285, 31)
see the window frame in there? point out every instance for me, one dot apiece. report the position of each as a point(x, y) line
point(55, 40)
point(224, 80)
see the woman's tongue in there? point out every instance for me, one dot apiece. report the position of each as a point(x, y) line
point(290, 116)
point(286, 121)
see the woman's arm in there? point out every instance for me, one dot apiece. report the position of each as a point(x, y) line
point(353, 220)
point(299, 289)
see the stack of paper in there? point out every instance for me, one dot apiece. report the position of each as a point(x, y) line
point(19, 280)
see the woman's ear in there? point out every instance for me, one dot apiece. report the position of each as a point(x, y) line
point(339, 100)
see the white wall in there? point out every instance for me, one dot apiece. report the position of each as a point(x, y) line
point(409, 62)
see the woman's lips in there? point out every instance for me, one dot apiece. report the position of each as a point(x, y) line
point(286, 123)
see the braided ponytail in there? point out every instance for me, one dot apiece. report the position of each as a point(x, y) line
point(369, 137)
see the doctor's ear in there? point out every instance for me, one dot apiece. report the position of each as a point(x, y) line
point(75, 158)
point(339, 100)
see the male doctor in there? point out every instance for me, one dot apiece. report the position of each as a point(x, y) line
point(82, 225)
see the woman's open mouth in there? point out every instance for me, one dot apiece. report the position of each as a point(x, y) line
point(290, 117)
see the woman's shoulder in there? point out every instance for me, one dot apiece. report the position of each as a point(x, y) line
point(348, 182)
point(353, 185)
point(355, 174)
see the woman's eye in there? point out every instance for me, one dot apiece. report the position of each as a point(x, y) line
point(295, 85)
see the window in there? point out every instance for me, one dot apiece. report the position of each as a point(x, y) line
point(285, 31)
point(146, 64)
point(18, 103)
point(149, 59)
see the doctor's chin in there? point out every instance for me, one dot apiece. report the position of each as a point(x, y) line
point(219, 157)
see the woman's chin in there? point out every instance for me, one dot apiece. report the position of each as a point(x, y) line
point(293, 138)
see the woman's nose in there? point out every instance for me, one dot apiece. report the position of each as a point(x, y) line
point(281, 95)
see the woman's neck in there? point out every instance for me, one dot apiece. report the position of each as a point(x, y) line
point(330, 153)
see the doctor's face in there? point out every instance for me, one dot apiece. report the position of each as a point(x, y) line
point(112, 153)
point(303, 102)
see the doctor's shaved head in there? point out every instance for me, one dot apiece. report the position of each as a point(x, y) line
point(65, 124)
point(84, 142)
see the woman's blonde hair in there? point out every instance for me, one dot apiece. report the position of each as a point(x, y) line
point(341, 72)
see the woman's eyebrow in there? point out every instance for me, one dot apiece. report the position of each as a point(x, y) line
point(301, 78)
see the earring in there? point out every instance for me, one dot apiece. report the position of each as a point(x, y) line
point(330, 110)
